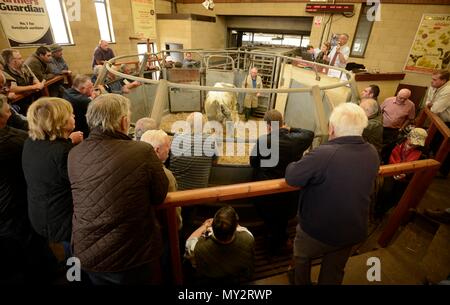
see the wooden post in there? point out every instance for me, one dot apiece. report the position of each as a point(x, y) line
point(177, 273)
point(443, 150)
point(411, 198)
point(421, 119)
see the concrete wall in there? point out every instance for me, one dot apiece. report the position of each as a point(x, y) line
point(174, 31)
point(207, 35)
point(192, 34)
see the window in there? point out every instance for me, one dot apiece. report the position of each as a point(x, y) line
point(256, 38)
point(363, 30)
point(104, 20)
point(58, 21)
point(142, 48)
point(305, 41)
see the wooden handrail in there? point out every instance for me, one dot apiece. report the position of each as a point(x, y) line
point(423, 170)
point(43, 91)
point(266, 187)
point(436, 125)
point(407, 167)
point(226, 192)
point(435, 120)
point(411, 198)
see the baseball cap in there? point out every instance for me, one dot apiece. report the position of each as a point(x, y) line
point(55, 47)
point(417, 136)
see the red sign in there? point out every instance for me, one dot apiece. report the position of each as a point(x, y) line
point(329, 8)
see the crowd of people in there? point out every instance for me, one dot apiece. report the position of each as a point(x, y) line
point(73, 176)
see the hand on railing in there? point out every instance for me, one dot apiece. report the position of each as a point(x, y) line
point(39, 86)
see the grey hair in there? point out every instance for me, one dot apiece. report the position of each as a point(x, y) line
point(80, 81)
point(106, 112)
point(196, 121)
point(144, 124)
point(348, 119)
point(155, 138)
point(372, 106)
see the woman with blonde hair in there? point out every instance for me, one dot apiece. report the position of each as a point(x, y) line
point(44, 161)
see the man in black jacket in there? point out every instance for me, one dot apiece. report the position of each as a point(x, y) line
point(23, 254)
point(80, 95)
point(337, 179)
point(277, 209)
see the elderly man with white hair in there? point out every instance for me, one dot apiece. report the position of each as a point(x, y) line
point(192, 154)
point(373, 133)
point(143, 125)
point(161, 144)
point(336, 179)
point(252, 81)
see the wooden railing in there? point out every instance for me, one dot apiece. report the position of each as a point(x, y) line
point(423, 170)
point(436, 125)
point(44, 91)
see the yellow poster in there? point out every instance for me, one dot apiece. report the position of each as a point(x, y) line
point(144, 18)
point(431, 46)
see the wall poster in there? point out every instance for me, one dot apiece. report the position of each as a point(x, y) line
point(431, 46)
point(144, 18)
point(25, 22)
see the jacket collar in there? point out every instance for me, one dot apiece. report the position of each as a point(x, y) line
point(348, 140)
point(39, 59)
point(97, 133)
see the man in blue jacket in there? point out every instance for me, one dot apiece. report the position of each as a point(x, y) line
point(277, 209)
point(336, 179)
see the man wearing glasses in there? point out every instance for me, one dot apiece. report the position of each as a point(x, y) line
point(16, 120)
point(24, 79)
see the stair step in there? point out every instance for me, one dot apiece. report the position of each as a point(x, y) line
point(437, 260)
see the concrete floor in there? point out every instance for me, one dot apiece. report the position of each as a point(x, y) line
point(419, 253)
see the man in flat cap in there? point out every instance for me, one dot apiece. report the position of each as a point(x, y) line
point(58, 65)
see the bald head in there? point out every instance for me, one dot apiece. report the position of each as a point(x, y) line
point(370, 106)
point(254, 72)
point(104, 45)
point(343, 38)
point(403, 95)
